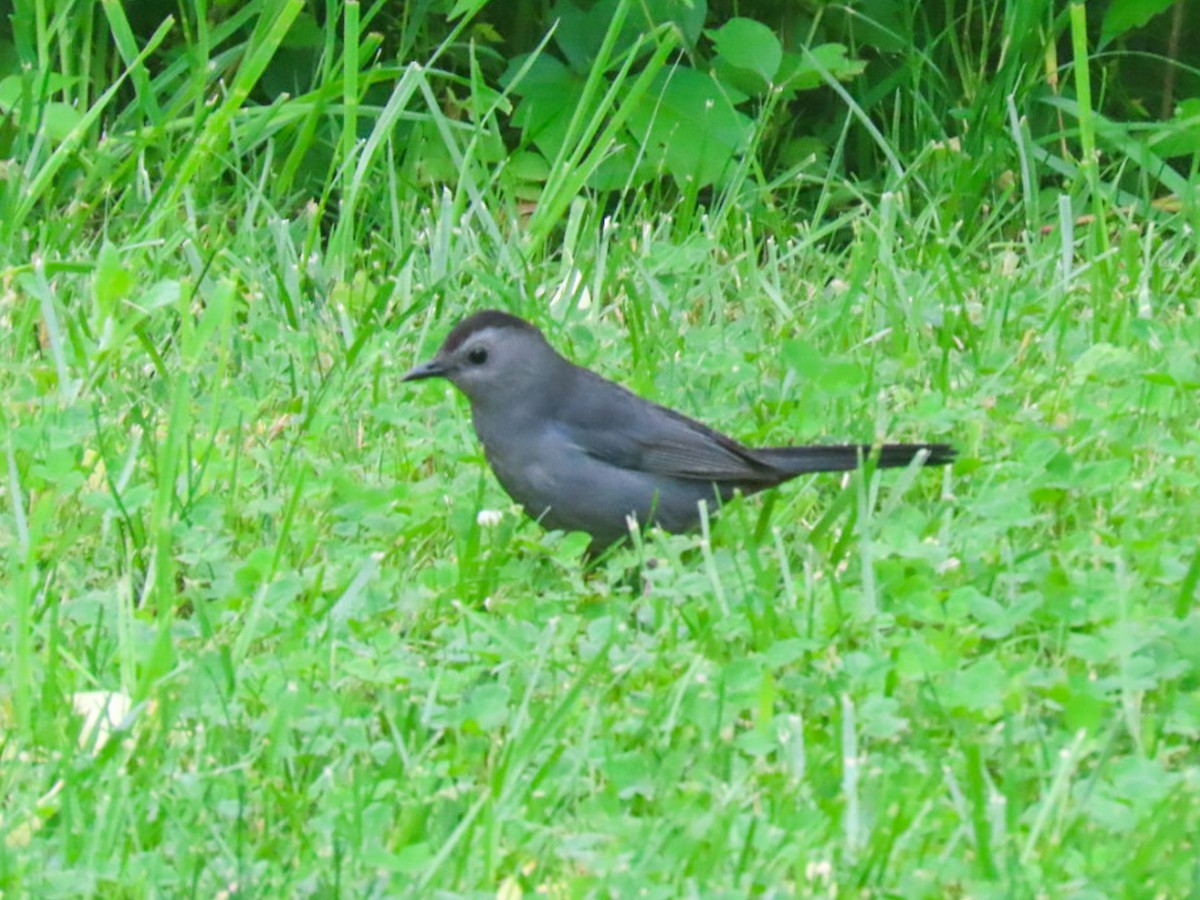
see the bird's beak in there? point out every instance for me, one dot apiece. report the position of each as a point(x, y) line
point(435, 368)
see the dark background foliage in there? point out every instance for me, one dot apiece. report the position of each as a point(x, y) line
point(736, 94)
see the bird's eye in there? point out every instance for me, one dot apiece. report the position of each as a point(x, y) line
point(477, 356)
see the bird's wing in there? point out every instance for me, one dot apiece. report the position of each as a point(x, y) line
point(613, 425)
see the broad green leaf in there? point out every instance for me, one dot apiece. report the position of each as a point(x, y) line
point(112, 281)
point(1122, 16)
point(10, 88)
point(837, 376)
point(304, 33)
point(688, 15)
point(529, 166)
point(580, 32)
point(1180, 136)
point(803, 358)
point(748, 44)
point(802, 72)
point(688, 123)
point(549, 93)
point(61, 119)
point(582, 28)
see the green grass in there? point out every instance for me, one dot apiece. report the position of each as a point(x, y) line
point(221, 506)
point(343, 682)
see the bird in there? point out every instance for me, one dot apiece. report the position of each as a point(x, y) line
point(581, 453)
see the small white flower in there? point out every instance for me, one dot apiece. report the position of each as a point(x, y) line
point(821, 869)
point(102, 712)
point(488, 518)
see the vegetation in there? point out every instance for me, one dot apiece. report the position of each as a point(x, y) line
point(261, 630)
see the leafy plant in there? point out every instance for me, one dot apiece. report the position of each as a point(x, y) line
point(687, 123)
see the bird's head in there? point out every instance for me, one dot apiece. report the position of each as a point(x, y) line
point(495, 358)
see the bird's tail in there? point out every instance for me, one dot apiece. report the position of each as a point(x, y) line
point(841, 458)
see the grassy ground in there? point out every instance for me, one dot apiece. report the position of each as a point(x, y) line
point(225, 519)
point(973, 681)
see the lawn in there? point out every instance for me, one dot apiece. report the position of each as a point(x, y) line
point(337, 661)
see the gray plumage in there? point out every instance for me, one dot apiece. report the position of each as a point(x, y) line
point(581, 453)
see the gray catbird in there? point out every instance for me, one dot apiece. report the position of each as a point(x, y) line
point(581, 453)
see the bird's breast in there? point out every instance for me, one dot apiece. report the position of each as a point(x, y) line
point(528, 464)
